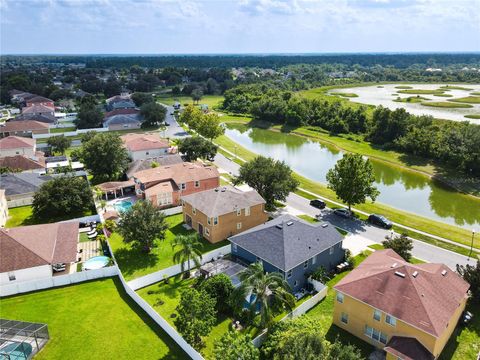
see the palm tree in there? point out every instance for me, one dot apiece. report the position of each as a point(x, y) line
point(270, 291)
point(190, 249)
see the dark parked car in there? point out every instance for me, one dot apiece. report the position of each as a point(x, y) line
point(317, 203)
point(343, 213)
point(380, 220)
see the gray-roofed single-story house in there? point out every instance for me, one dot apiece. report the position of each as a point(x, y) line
point(291, 246)
point(20, 187)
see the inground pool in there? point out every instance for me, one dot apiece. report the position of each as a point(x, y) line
point(123, 205)
point(96, 262)
point(16, 350)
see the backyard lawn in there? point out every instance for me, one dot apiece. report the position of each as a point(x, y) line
point(92, 320)
point(211, 100)
point(23, 215)
point(135, 264)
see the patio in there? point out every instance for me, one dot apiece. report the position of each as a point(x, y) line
point(223, 266)
point(119, 204)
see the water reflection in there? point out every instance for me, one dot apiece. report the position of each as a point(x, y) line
point(402, 189)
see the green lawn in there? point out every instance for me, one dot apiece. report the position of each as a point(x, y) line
point(347, 95)
point(135, 264)
point(83, 237)
point(444, 104)
point(23, 215)
point(92, 320)
point(62, 130)
point(212, 101)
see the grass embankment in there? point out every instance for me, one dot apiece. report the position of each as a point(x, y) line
point(443, 95)
point(95, 319)
point(477, 93)
point(347, 95)
point(473, 116)
point(23, 215)
point(411, 99)
point(403, 87)
point(467, 100)
point(134, 263)
point(444, 104)
point(421, 91)
point(454, 87)
point(412, 220)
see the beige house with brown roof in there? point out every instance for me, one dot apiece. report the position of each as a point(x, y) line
point(410, 311)
point(144, 146)
point(28, 252)
point(16, 145)
point(24, 128)
point(223, 212)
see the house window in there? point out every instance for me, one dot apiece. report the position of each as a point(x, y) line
point(331, 250)
point(194, 211)
point(383, 338)
point(344, 318)
point(209, 221)
point(11, 276)
point(390, 320)
point(234, 247)
point(239, 212)
point(164, 199)
point(314, 260)
point(340, 298)
point(247, 211)
point(197, 184)
point(207, 232)
point(183, 186)
point(305, 264)
point(377, 314)
point(289, 274)
point(239, 226)
point(368, 331)
point(376, 334)
point(215, 220)
point(147, 153)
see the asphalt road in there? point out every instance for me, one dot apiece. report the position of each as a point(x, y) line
point(173, 129)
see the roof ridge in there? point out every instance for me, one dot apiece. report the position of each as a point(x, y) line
point(5, 232)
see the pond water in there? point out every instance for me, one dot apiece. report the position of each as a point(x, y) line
point(384, 95)
point(402, 189)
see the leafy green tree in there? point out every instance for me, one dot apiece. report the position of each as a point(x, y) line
point(220, 288)
point(272, 179)
point(190, 250)
point(209, 126)
point(471, 274)
point(191, 116)
point(143, 225)
point(196, 147)
point(59, 144)
point(153, 113)
point(271, 293)
point(402, 245)
point(307, 346)
point(62, 196)
point(196, 316)
point(341, 351)
point(197, 95)
point(235, 346)
point(140, 98)
point(103, 155)
point(352, 179)
point(89, 116)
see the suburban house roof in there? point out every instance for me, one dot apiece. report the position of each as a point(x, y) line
point(22, 163)
point(132, 118)
point(422, 295)
point(22, 183)
point(25, 125)
point(165, 186)
point(115, 185)
point(43, 118)
point(39, 99)
point(29, 246)
point(121, 112)
point(37, 109)
point(15, 142)
point(117, 98)
point(138, 142)
point(180, 173)
point(223, 200)
point(145, 164)
point(287, 241)
point(407, 348)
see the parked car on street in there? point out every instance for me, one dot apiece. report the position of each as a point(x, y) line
point(343, 213)
point(380, 220)
point(317, 203)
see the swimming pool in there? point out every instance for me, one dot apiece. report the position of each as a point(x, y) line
point(123, 205)
point(96, 262)
point(16, 351)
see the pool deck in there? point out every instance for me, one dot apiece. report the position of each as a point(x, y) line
point(111, 203)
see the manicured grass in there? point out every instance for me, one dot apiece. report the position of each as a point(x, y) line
point(230, 118)
point(134, 263)
point(23, 215)
point(454, 87)
point(421, 91)
point(444, 104)
point(212, 101)
point(83, 237)
point(92, 320)
point(411, 99)
point(473, 116)
point(467, 99)
point(347, 95)
point(62, 130)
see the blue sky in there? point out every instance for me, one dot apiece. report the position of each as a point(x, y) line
point(241, 26)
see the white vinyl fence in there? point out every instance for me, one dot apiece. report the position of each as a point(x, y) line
point(160, 275)
point(61, 280)
point(172, 211)
point(68, 133)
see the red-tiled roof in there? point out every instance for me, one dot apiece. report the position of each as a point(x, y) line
point(22, 163)
point(137, 142)
point(423, 295)
point(37, 109)
point(15, 142)
point(38, 99)
point(180, 173)
point(24, 125)
point(29, 246)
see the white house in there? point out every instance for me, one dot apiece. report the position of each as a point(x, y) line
point(28, 252)
point(145, 146)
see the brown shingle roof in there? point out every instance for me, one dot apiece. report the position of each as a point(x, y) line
point(145, 164)
point(115, 185)
point(223, 200)
point(39, 99)
point(25, 125)
point(426, 300)
point(180, 173)
point(137, 142)
point(407, 348)
point(28, 246)
point(37, 109)
point(22, 163)
point(15, 142)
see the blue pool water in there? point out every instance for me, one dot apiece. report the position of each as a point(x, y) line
point(123, 205)
point(16, 351)
point(96, 262)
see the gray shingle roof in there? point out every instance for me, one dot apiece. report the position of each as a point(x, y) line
point(22, 183)
point(223, 200)
point(144, 164)
point(290, 243)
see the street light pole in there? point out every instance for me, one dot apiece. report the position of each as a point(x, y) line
point(471, 245)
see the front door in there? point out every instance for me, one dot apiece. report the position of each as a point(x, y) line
point(200, 229)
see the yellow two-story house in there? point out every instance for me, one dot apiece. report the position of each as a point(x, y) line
point(409, 311)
